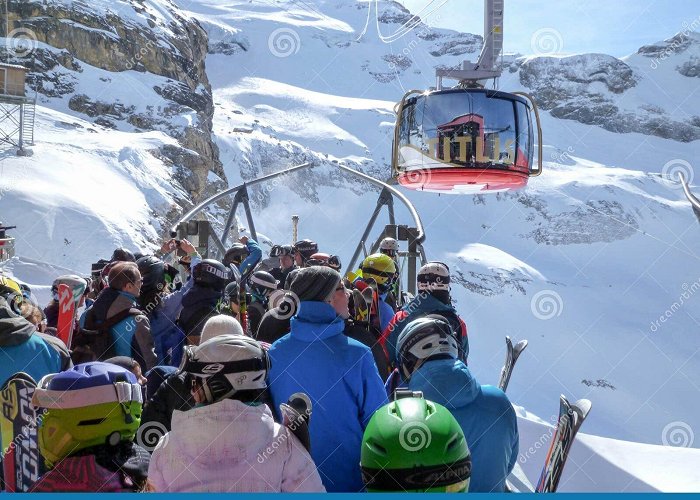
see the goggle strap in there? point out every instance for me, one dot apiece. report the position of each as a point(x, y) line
point(208, 368)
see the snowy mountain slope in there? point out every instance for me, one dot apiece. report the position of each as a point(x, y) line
point(609, 465)
point(127, 65)
point(86, 189)
point(583, 263)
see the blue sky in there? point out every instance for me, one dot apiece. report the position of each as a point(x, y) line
point(616, 27)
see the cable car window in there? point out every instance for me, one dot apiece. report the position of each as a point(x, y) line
point(525, 140)
point(499, 129)
point(460, 129)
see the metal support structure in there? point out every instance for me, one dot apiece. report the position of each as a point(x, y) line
point(486, 66)
point(694, 201)
point(7, 243)
point(415, 236)
point(241, 197)
point(384, 199)
point(17, 121)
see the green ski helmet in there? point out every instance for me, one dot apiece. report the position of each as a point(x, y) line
point(89, 405)
point(412, 444)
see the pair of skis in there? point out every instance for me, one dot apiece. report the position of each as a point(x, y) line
point(22, 462)
point(70, 290)
point(571, 417)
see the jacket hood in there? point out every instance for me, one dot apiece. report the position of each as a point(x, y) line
point(200, 296)
point(103, 308)
point(14, 329)
point(447, 382)
point(428, 303)
point(228, 431)
point(316, 321)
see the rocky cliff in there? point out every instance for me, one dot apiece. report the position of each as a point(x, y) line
point(87, 56)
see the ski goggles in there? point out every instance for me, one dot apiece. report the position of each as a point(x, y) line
point(280, 250)
point(333, 262)
point(204, 369)
point(117, 392)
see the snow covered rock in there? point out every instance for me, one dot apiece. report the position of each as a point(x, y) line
point(87, 49)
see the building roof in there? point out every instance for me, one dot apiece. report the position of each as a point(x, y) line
point(13, 66)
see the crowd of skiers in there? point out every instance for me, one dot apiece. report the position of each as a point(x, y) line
point(216, 359)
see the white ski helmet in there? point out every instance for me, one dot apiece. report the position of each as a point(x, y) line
point(77, 284)
point(263, 283)
point(389, 244)
point(434, 276)
point(424, 338)
point(228, 365)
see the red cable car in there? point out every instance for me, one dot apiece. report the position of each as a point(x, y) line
point(468, 139)
point(464, 141)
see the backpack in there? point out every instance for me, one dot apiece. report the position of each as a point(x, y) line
point(192, 324)
point(94, 342)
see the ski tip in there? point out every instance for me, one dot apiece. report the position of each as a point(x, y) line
point(509, 342)
point(19, 376)
point(520, 347)
point(582, 407)
point(564, 405)
point(522, 344)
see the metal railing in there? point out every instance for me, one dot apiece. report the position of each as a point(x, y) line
point(7, 248)
point(414, 235)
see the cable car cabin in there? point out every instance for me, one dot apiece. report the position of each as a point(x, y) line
point(465, 141)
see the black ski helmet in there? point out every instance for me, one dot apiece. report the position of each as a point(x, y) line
point(306, 248)
point(212, 274)
point(232, 292)
point(262, 283)
point(236, 254)
point(152, 271)
point(123, 255)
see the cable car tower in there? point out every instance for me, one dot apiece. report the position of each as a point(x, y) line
point(17, 110)
point(468, 139)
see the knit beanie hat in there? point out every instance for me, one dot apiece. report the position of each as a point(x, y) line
point(220, 325)
point(316, 283)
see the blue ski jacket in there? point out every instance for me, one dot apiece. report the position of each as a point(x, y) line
point(26, 350)
point(484, 413)
point(254, 256)
point(132, 335)
point(168, 338)
point(341, 379)
point(422, 305)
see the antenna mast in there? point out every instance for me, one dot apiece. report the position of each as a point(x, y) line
point(485, 68)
